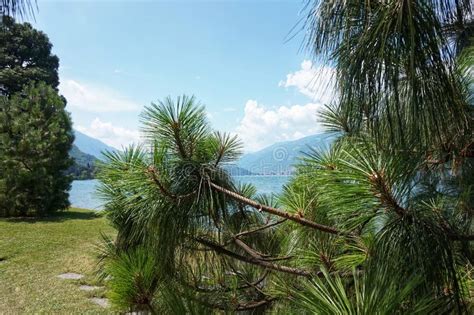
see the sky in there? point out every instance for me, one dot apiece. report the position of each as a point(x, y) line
point(240, 59)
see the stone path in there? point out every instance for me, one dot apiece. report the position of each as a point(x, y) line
point(100, 301)
point(103, 302)
point(70, 276)
point(88, 288)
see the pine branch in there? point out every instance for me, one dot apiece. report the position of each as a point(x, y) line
point(277, 212)
point(459, 237)
point(176, 198)
point(229, 289)
point(388, 200)
point(241, 306)
point(252, 252)
point(254, 304)
point(256, 254)
point(179, 143)
point(383, 192)
point(258, 229)
point(252, 260)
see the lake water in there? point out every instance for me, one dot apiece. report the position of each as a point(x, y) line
point(83, 192)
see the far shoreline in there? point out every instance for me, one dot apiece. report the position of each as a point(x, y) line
point(255, 175)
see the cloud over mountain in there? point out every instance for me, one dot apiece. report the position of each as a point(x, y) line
point(110, 134)
point(263, 125)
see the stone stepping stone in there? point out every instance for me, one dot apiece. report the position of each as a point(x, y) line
point(88, 288)
point(101, 302)
point(70, 276)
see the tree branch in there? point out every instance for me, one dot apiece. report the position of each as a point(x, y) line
point(260, 228)
point(228, 289)
point(255, 254)
point(240, 306)
point(151, 170)
point(460, 237)
point(275, 211)
point(176, 129)
point(176, 198)
point(246, 281)
point(387, 199)
point(252, 260)
point(248, 249)
point(383, 192)
point(254, 304)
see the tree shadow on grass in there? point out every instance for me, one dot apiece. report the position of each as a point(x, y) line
point(70, 214)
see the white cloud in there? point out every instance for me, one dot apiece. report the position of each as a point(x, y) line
point(261, 126)
point(114, 136)
point(315, 82)
point(96, 99)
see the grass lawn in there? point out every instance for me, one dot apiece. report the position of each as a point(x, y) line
point(33, 252)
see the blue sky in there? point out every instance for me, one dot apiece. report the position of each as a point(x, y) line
point(117, 57)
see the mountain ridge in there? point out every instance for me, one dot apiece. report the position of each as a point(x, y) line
point(90, 145)
point(276, 159)
point(280, 158)
point(84, 166)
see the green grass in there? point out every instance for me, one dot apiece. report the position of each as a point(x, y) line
point(34, 251)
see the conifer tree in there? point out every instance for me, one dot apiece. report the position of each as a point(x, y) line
point(21, 8)
point(35, 139)
point(35, 129)
point(381, 223)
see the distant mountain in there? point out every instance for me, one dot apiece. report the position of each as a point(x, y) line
point(87, 150)
point(277, 159)
point(280, 158)
point(91, 145)
point(80, 157)
point(84, 166)
point(234, 170)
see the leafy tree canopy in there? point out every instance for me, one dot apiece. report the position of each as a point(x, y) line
point(25, 55)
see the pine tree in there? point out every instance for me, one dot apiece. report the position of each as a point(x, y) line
point(21, 8)
point(35, 129)
point(35, 139)
point(379, 224)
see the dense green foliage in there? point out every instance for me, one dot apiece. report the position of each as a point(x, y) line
point(25, 56)
point(35, 129)
point(35, 139)
point(381, 223)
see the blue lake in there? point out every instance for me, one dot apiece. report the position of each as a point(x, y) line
point(83, 192)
